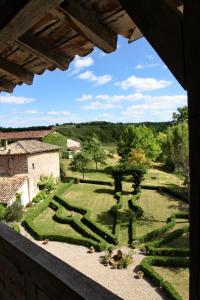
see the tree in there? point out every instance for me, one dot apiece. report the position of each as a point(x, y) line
point(141, 137)
point(176, 149)
point(138, 157)
point(94, 147)
point(125, 144)
point(181, 115)
point(81, 161)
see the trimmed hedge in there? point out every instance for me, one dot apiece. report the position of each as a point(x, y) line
point(100, 230)
point(100, 182)
point(133, 229)
point(168, 251)
point(63, 187)
point(146, 267)
point(171, 222)
point(170, 236)
point(35, 211)
point(138, 211)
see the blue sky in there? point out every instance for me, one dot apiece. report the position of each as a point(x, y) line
point(131, 84)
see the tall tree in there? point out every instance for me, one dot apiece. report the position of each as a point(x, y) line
point(176, 149)
point(81, 161)
point(94, 147)
point(181, 115)
point(138, 137)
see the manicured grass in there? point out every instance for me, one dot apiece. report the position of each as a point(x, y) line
point(90, 173)
point(124, 218)
point(157, 208)
point(158, 177)
point(47, 225)
point(99, 199)
point(178, 277)
point(180, 242)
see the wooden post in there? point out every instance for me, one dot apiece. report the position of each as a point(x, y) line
point(192, 70)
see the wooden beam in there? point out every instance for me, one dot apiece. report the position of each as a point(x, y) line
point(162, 26)
point(87, 23)
point(191, 33)
point(16, 71)
point(6, 85)
point(38, 47)
point(30, 14)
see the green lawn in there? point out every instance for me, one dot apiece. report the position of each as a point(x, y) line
point(98, 198)
point(157, 208)
point(178, 277)
point(90, 173)
point(47, 225)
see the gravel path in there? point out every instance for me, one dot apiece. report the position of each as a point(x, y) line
point(121, 282)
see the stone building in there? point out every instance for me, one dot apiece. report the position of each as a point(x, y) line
point(22, 164)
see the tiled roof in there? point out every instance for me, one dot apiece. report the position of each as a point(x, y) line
point(18, 135)
point(9, 187)
point(28, 147)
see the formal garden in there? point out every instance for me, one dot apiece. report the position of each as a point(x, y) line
point(105, 217)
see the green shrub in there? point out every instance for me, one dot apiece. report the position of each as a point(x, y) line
point(41, 195)
point(100, 182)
point(47, 183)
point(14, 212)
point(15, 227)
point(151, 273)
point(2, 211)
point(133, 229)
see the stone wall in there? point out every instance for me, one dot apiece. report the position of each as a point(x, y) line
point(42, 164)
point(13, 165)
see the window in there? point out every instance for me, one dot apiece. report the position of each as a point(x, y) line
point(33, 166)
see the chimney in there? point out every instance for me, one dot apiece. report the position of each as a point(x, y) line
point(5, 145)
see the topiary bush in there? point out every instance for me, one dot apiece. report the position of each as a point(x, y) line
point(41, 195)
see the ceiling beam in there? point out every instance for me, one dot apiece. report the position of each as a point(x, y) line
point(6, 85)
point(38, 47)
point(30, 14)
point(162, 26)
point(16, 71)
point(87, 23)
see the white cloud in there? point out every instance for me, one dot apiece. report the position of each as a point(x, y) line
point(80, 63)
point(149, 56)
point(147, 66)
point(8, 99)
point(156, 106)
point(31, 111)
point(98, 80)
point(84, 97)
point(61, 112)
point(118, 98)
point(142, 84)
point(99, 105)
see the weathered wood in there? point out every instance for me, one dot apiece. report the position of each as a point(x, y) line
point(6, 85)
point(162, 26)
point(86, 22)
point(30, 14)
point(16, 71)
point(38, 47)
point(192, 67)
point(28, 272)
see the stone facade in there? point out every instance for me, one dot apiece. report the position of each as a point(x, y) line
point(42, 164)
point(34, 165)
